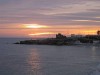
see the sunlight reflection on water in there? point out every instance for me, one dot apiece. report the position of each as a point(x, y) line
point(34, 62)
point(94, 53)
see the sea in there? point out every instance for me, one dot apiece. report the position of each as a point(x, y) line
point(17, 59)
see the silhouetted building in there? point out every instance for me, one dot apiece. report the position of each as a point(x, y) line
point(60, 36)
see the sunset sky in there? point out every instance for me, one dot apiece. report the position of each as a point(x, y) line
point(45, 18)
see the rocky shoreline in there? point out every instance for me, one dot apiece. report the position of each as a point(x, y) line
point(63, 40)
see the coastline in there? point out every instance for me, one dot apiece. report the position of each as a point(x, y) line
point(63, 40)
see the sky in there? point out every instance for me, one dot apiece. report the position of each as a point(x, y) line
point(45, 18)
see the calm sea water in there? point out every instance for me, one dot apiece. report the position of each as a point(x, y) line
point(48, 60)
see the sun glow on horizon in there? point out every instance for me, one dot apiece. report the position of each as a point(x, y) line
point(91, 32)
point(45, 33)
point(35, 26)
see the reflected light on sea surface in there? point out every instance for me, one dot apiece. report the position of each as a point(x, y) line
point(34, 62)
point(94, 53)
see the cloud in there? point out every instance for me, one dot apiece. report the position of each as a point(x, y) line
point(49, 12)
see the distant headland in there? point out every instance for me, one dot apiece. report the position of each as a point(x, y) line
point(64, 40)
